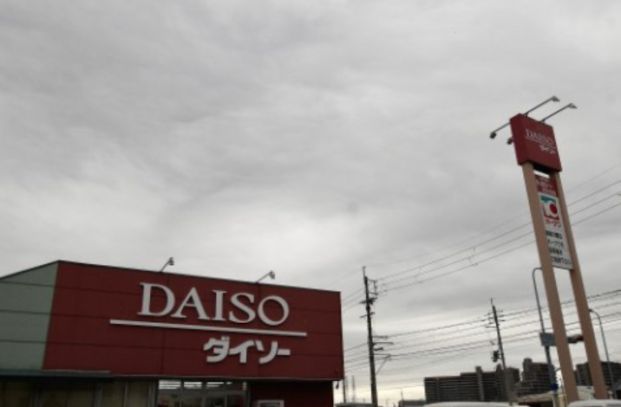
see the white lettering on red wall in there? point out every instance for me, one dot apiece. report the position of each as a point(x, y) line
point(243, 303)
point(243, 308)
point(546, 144)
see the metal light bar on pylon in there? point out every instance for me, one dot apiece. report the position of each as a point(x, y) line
point(493, 133)
point(567, 106)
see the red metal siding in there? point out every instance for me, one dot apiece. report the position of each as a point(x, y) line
point(82, 337)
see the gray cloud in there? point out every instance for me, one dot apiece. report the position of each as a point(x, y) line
point(308, 138)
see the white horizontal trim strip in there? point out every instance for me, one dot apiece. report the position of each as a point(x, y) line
point(190, 327)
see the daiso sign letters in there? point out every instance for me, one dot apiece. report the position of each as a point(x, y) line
point(245, 309)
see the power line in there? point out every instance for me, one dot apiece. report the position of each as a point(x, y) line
point(496, 237)
point(358, 360)
point(387, 279)
point(522, 335)
point(484, 260)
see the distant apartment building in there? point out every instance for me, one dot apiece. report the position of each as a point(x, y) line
point(535, 378)
point(471, 386)
point(583, 375)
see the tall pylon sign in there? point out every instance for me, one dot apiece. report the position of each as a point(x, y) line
point(537, 154)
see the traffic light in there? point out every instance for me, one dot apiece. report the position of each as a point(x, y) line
point(575, 338)
point(495, 356)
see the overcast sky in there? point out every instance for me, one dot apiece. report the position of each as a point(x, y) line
point(313, 138)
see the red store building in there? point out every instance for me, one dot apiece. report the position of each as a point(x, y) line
point(74, 334)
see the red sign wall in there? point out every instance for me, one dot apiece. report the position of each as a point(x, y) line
point(133, 322)
point(534, 142)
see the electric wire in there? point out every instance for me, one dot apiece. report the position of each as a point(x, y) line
point(386, 279)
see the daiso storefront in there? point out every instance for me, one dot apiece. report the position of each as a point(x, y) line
point(74, 334)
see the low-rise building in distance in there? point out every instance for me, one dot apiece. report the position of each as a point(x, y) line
point(470, 386)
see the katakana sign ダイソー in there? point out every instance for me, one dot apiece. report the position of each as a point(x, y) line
point(221, 348)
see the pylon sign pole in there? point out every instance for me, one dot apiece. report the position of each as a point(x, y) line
point(582, 305)
point(537, 154)
point(549, 279)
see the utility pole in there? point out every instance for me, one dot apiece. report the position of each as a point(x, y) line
point(547, 340)
point(508, 387)
point(368, 302)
